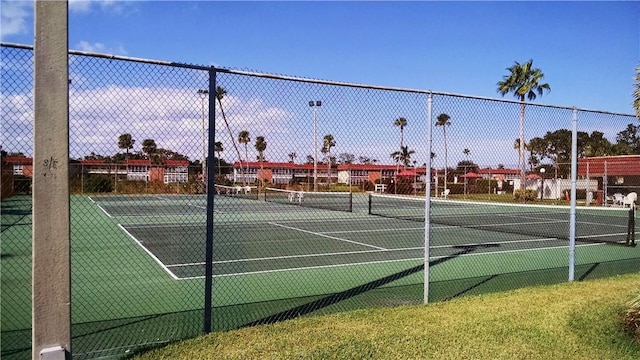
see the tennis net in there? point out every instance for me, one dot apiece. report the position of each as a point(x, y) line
point(244, 192)
point(340, 201)
point(592, 224)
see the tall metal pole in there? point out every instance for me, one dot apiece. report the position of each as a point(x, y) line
point(209, 236)
point(427, 202)
point(315, 106)
point(572, 211)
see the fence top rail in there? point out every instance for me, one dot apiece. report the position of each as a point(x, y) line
point(116, 57)
point(315, 81)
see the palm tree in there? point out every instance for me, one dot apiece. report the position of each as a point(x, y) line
point(219, 149)
point(243, 138)
point(466, 153)
point(125, 141)
point(401, 122)
point(220, 93)
point(524, 82)
point(292, 156)
point(327, 143)
point(444, 120)
point(403, 156)
point(261, 146)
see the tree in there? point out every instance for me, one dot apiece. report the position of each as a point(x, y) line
point(628, 141)
point(364, 159)
point(309, 159)
point(327, 143)
point(220, 93)
point(125, 141)
point(519, 149)
point(403, 156)
point(261, 146)
point(598, 145)
point(401, 122)
point(444, 120)
point(524, 82)
point(219, 149)
point(636, 93)
point(466, 153)
point(346, 158)
point(465, 166)
point(243, 138)
point(292, 157)
point(149, 147)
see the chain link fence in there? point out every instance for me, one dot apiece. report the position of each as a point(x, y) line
point(318, 198)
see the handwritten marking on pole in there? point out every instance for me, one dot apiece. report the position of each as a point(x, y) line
point(51, 166)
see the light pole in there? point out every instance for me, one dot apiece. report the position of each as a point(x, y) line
point(315, 106)
point(203, 95)
point(542, 171)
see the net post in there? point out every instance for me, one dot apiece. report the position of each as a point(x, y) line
point(369, 204)
point(350, 201)
point(208, 276)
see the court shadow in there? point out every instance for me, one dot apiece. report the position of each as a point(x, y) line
point(334, 298)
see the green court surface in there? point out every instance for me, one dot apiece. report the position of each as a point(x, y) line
point(138, 261)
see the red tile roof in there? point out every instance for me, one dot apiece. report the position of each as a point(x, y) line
point(17, 160)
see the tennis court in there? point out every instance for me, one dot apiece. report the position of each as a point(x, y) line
point(252, 236)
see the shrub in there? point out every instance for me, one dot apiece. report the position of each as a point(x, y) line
point(632, 319)
point(525, 195)
point(484, 186)
point(455, 188)
point(95, 183)
point(368, 186)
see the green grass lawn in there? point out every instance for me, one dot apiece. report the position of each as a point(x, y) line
point(579, 320)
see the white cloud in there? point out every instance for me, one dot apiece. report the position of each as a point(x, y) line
point(85, 6)
point(16, 17)
point(80, 6)
point(170, 116)
point(100, 48)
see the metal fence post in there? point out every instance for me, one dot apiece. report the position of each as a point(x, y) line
point(210, 191)
point(427, 206)
point(572, 211)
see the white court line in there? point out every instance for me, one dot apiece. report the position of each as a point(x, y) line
point(496, 243)
point(104, 211)
point(301, 268)
point(470, 226)
point(90, 198)
point(350, 219)
point(297, 256)
point(376, 262)
point(370, 230)
point(327, 236)
point(601, 235)
point(363, 252)
point(150, 253)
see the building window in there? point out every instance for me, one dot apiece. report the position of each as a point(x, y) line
point(17, 169)
point(619, 180)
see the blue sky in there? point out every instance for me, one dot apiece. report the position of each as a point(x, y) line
point(587, 50)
